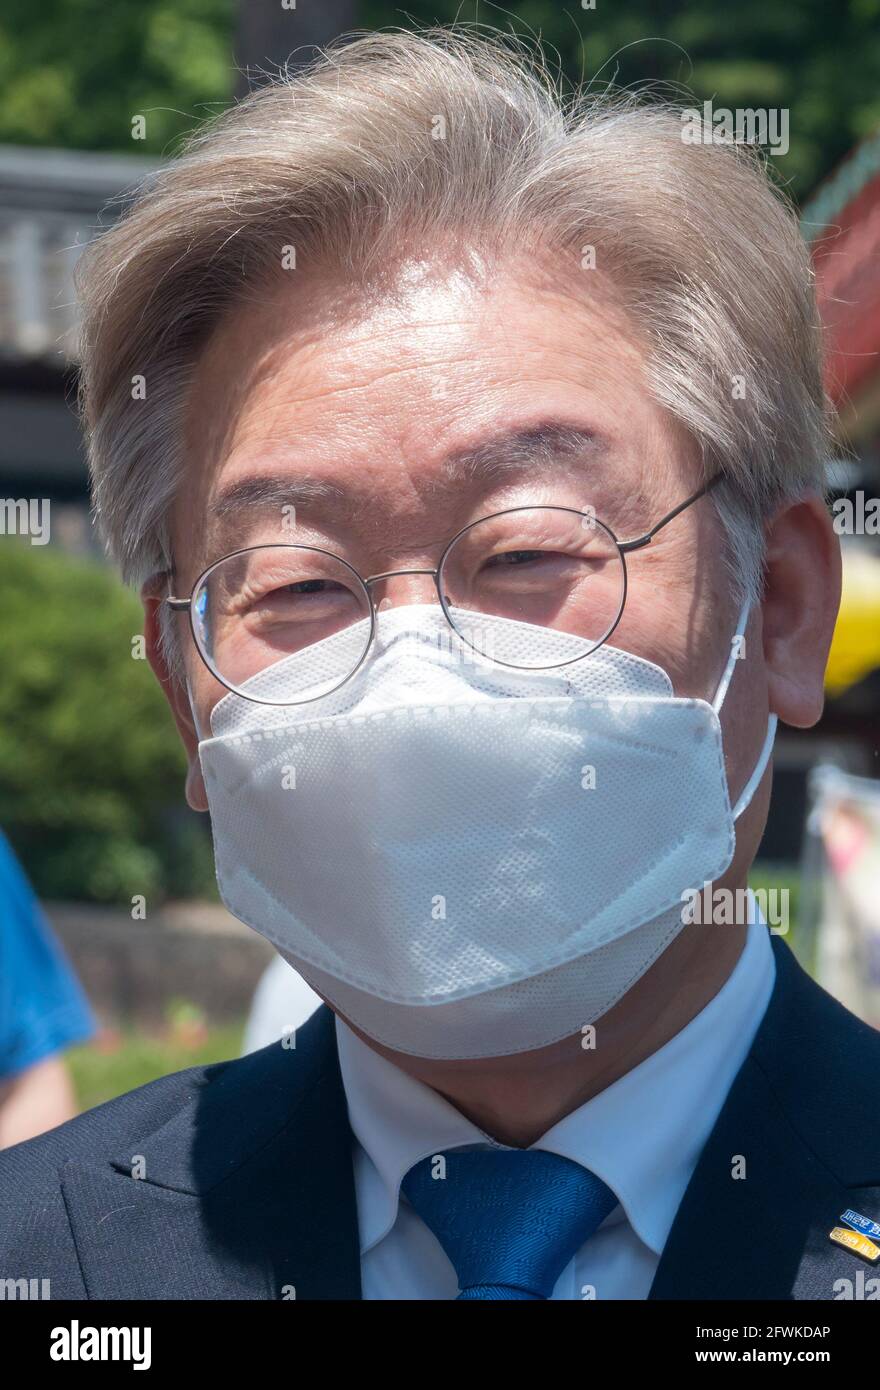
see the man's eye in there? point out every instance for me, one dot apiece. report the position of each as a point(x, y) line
point(515, 557)
point(308, 586)
point(297, 589)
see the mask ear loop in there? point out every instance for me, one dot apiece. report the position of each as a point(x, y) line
point(727, 675)
point(752, 784)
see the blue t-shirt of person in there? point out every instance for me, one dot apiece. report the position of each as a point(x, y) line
point(42, 1005)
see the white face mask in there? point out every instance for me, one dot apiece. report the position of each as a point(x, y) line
point(469, 860)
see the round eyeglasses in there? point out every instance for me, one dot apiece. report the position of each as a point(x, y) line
point(546, 565)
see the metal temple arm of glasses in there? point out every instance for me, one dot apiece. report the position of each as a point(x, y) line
point(646, 539)
point(179, 605)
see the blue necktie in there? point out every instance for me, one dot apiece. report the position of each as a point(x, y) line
point(509, 1219)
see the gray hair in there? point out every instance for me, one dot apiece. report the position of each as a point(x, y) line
point(405, 136)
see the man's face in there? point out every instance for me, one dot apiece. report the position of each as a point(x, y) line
point(377, 399)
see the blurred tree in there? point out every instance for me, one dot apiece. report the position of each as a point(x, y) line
point(285, 33)
point(820, 61)
point(91, 769)
point(76, 72)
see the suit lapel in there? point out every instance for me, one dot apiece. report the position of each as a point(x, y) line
point(757, 1211)
point(247, 1191)
point(790, 1152)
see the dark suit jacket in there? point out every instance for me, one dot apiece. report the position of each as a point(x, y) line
point(247, 1184)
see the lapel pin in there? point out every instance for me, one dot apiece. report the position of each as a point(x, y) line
point(855, 1235)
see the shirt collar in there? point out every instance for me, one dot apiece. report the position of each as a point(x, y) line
point(642, 1135)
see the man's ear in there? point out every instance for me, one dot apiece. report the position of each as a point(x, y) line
point(801, 599)
point(176, 695)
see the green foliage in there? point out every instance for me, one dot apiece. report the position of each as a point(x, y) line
point(111, 1066)
point(820, 61)
point(73, 73)
point(91, 769)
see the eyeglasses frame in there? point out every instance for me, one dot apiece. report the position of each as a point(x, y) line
point(181, 605)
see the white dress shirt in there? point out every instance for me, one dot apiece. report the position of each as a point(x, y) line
point(642, 1135)
point(282, 1002)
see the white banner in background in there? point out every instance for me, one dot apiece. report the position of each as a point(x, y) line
point(845, 819)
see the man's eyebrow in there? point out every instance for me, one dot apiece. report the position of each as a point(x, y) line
point(502, 457)
point(267, 491)
point(508, 454)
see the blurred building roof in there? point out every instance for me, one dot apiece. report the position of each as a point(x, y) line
point(52, 202)
point(842, 224)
